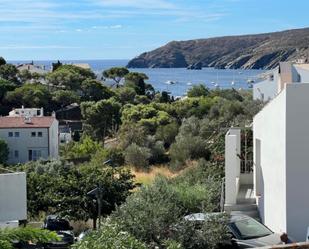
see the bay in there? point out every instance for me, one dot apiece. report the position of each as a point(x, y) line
point(177, 81)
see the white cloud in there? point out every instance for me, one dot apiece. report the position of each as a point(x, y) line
point(140, 4)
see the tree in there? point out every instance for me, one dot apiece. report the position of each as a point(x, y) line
point(56, 65)
point(30, 95)
point(2, 61)
point(65, 97)
point(24, 75)
point(116, 74)
point(94, 90)
point(55, 186)
point(137, 82)
point(69, 76)
point(125, 95)
point(9, 72)
point(198, 91)
point(137, 156)
point(4, 151)
point(101, 118)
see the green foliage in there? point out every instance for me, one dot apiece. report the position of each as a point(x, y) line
point(137, 156)
point(109, 237)
point(149, 213)
point(137, 82)
point(69, 77)
point(4, 151)
point(198, 91)
point(125, 95)
point(9, 72)
point(58, 187)
point(93, 90)
point(82, 149)
point(65, 97)
point(146, 116)
point(101, 118)
point(167, 133)
point(24, 76)
point(2, 61)
point(116, 73)
point(35, 235)
point(30, 95)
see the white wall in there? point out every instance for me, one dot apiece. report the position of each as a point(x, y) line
point(232, 165)
point(54, 139)
point(269, 164)
point(267, 88)
point(13, 197)
point(25, 142)
point(297, 160)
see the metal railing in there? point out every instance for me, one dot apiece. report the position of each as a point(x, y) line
point(246, 166)
point(222, 197)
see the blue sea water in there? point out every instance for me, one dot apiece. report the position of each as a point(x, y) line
point(185, 79)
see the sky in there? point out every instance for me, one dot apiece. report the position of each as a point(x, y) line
point(122, 29)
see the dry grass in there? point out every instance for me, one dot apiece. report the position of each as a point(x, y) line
point(149, 176)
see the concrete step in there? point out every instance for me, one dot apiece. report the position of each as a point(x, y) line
point(240, 200)
point(239, 207)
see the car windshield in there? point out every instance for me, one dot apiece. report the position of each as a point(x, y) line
point(250, 229)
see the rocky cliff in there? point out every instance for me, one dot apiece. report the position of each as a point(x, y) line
point(261, 51)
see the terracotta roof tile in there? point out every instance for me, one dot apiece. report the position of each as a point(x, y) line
point(19, 122)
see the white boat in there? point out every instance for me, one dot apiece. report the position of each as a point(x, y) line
point(189, 84)
point(250, 81)
point(170, 82)
point(213, 83)
point(216, 85)
point(233, 83)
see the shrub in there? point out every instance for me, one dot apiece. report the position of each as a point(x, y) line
point(137, 156)
point(109, 237)
point(150, 213)
point(4, 151)
point(35, 235)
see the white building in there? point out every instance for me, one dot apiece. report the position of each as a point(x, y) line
point(279, 185)
point(30, 138)
point(13, 199)
point(40, 69)
point(27, 112)
point(275, 80)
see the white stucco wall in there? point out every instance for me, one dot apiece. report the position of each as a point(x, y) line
point(54, 139)
point(269, 163)
point(13, 197)
point(232, 165)
point(25, 142)
point(297, 160)
point(265, 90)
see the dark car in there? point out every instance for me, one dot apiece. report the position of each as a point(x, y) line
point(246, 232)
point(61, 227)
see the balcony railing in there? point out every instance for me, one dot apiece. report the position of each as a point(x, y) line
point(246, 166)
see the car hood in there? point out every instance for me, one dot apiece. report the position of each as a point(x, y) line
point(270, 240)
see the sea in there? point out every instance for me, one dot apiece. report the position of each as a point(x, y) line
point(176, 81)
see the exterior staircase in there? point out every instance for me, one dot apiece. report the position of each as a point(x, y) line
point(245, 204)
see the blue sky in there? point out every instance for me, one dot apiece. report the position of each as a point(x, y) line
point(122, 29)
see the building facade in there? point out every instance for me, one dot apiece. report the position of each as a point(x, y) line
point(276, 79)
point(30, 138)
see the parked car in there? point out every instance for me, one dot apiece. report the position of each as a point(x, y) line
point(246, 232)
point(61, 227)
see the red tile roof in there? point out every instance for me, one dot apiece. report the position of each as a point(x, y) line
point(19, 122)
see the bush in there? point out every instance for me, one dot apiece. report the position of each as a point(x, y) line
point(109, 237)
point(137, 156)
point(35, 235)
point(150, 213)
point(4, 151)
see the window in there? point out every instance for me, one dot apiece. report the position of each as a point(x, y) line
point(10, 134)
point(33, 134)
point(40, 134)
point(16, 134)
point(34, 155)
point(16, 153)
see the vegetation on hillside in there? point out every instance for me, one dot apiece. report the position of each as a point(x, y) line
point(148, 129)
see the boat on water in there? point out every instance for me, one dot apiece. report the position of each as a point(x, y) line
point(250, 81)
point(170, 82)
point(233, 83)
point(189, 84)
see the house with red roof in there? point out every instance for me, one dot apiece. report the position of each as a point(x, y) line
point(30, 138)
